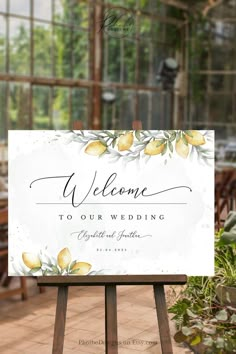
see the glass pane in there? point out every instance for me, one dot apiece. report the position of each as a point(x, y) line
point(19, 46)
point(43, 9)
point(144, 57)
point(113, 56)
point(59, 14)
point(41, 104)
point(212, 83)
point(3, 5)
point(223, 57)
point(126, 103)
point(2, 44)
point(60, 113)
point(21, 7)
point(80, 54)
point(129, 61)
point(199, 111)
point(161, 110)
point(70, 12)
point(143, 111)
point(63, 51)
point(3, 108)
point(145, 28)
point(19, 106)
point(80, 14)
point(157, 110)
point(80, 105)
point(221, 109)
point(42, 53)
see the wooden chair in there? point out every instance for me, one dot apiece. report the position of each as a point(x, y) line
point(5, 279)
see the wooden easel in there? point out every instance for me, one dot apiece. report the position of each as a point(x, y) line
point(110, 283)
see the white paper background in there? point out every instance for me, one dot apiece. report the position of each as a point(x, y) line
point(182, 243)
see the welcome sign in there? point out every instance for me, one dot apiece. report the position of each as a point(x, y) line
point(111, 202)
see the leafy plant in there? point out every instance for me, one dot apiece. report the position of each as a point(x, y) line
point(201, 319)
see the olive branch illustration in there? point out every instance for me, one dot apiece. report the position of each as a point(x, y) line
point(132, 145)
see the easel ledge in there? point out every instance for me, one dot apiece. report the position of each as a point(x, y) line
point(110, 283)
point(92, 280)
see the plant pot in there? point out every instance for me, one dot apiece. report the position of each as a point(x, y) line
point(226, 295)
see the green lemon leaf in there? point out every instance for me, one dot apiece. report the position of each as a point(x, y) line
point(166, 135)
point(137, 134)
point(34, 270)
point(187, 331)
point(208, 341)
point(109, 134)
point(170, 146)
point(184, 140)
point(189, 133)
point(222, 315)
point(191, 314)
point(220, 343)
point(173, 136)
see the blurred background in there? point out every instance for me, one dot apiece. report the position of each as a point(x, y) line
point(97, 63)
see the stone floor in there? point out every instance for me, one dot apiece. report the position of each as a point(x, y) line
point(27, 327)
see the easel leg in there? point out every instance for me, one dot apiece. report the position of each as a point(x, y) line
point(162, 317)
point(60, 320)
point(111, 319)
point(23, 288)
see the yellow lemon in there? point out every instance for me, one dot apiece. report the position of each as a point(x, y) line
point(64, 258)
point(181, 148)
point(81, 268)
point(196, 138)
point(155, 147)
point(96, 148)
point(125, 141)
point(31, 260)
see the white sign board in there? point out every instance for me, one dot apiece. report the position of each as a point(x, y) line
point(111, 202)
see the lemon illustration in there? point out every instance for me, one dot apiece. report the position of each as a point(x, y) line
point(155, 147)
point(196, 138)
point(181, 148)
point(81, 268)
point(31, 260)
point(96, 148)
point(64, 258)
point(125, 141)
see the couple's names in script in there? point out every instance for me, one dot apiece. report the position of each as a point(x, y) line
point(117, 235)
point(109, 188)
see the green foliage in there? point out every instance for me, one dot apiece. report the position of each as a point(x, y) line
point(201, 319)
point(198, 48)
